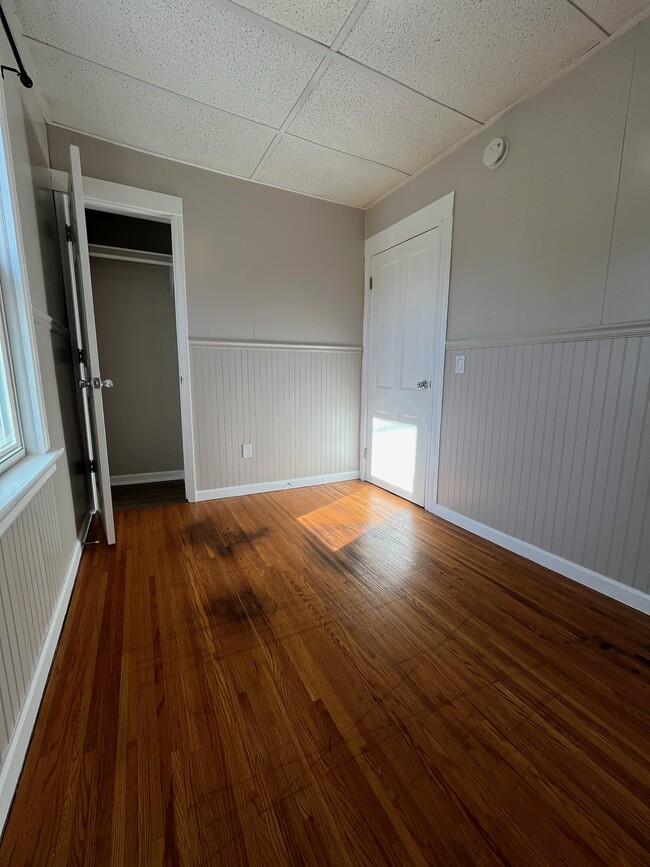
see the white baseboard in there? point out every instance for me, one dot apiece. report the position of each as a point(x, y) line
point(143, 478)
point(265, 487)
point(13, 763)
point(607, 586)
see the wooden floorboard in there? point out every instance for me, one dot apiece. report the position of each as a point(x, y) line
point(331, 676)
point(147, 494)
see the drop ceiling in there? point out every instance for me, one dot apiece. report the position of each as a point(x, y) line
point(333, 98)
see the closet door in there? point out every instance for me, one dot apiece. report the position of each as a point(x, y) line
point(88, 336)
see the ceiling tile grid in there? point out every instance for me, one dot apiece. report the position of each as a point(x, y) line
point(319, 19)
point(192, 47)
point(477, 57)
point(368, 116)
point(301, 165)
point(104, 103)
point(255, 90)
point(612, 14)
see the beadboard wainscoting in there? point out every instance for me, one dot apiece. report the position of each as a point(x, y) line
point(36, 580)
point(548, 441)
point(297, 405)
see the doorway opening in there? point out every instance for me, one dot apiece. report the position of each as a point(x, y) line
point(152, 237)
point(133, 292)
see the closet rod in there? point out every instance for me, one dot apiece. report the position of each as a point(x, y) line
point(123, 254)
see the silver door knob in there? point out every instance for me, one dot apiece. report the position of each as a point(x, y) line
point(101, 383)
point(424, 383)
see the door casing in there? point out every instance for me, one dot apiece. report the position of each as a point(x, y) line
point(136, 202)
point(438, 214)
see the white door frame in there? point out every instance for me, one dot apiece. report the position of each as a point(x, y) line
point(132, 201)
point(438, 214)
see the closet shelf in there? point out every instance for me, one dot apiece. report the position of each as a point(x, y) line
point(123, 254)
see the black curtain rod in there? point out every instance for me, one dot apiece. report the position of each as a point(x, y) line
point(21, 72)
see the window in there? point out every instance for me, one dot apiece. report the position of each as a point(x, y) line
point(26, 459)
point(11, 446)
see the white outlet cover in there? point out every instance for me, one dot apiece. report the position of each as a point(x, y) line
point(460, 364)
point(247, 450)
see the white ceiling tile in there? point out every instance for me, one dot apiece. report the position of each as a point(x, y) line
point(612, 14)
point(309, 168)
point(192, 47)
point(477, 57)
point(363, 114)
point(108, 104)
point(319, 19)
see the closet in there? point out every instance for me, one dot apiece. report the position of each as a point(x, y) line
point(133, 292)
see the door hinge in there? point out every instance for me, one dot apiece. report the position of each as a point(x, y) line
point(93, 465)
point(68, 233)
point(371, 284)
point(365, 452)
point(81, 356)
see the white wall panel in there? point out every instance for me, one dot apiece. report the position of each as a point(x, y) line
point(550, 442)
point(298, 408)
point(32, 570)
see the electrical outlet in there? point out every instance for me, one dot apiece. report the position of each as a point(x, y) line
point(460, 364)
point(247, 450)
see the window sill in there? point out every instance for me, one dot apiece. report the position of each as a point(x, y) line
point(21, 483)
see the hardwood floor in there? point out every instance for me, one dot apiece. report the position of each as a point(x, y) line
point(332, 676)
point(148, 494)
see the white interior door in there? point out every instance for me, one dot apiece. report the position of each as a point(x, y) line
point(94, 384)
point(400, 367)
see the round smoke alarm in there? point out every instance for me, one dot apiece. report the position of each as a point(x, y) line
point(495, 153)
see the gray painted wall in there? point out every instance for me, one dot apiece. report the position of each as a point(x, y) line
point(531, 246)
point(261, 264)
point(550, 442)
point(36, 551)
point(136, 332)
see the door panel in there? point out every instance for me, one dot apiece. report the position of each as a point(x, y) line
point(401, 343)
point(89, 340)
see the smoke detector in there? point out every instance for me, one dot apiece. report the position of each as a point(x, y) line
point(495, 153)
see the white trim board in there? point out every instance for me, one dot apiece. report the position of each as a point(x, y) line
point(45, 321)
point(146, 478)
point(629, 596)
point(133, 201)
point(282, 485)
point(108, 195)
point(210, 343)
point(17, 751)
point(415, 224)
point(566, 335)
point(20, 484)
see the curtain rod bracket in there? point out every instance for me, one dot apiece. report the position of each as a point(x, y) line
point(21, 72)
point(25, 80)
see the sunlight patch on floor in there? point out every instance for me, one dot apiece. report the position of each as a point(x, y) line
point(342, 522)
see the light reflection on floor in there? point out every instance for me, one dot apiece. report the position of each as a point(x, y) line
point(345, 520)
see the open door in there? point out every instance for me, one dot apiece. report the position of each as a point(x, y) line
point(88, 337)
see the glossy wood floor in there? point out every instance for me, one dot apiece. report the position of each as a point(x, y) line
point(148, 494)
point(330, 676)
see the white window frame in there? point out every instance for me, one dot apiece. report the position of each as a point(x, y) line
point(37, 461)
point(16, 451)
